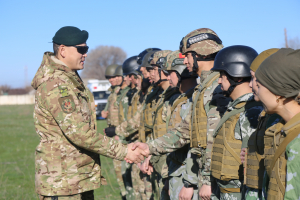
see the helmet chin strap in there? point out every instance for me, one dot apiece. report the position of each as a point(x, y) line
point(121, 82)
point(160, 80)
point(200, 58)
point(233, 84)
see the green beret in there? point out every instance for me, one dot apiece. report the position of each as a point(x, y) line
point(70, 36)
point(261, 57)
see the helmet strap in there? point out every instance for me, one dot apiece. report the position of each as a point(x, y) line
point(160, 80)
point(233, 84)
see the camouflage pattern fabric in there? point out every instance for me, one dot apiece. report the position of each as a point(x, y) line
point(245, 126)
point(253, 194)
point(126, 174)
point(110, 105)
point(292, 151)
point(122, 102)
point(215, 106)
point(175, 186)
point(67, 157)
point(138, 183)
point(231, 184)
point(82, 196)
point(205, 47)
point(118, 171)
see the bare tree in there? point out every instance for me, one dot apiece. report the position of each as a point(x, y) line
point(4, 89)
point(99, 58)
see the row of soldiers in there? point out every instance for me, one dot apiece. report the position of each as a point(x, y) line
point(211, 140)
point(233, 136)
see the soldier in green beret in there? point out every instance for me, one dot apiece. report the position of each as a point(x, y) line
point(67, 162)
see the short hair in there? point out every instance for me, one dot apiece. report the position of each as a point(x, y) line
point(55, 48)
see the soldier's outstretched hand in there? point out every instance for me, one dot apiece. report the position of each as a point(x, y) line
point(143, 146)
point(135, 156)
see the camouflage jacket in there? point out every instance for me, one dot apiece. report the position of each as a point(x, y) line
point(67, 158)
point(167, 99)
point(127, 128)
point(215, 106)
point(176, 137)
point(112, 98)
point(122, 103)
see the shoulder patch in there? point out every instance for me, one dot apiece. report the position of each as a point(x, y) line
point(67, 104)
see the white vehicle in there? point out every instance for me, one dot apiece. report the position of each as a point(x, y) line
point(99, 88)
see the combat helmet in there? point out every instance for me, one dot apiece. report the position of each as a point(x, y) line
point(130, 65)
point(145, 59)
point(204, 43)
point(119, 71)
point(154, 59)
point(235, 61)
point(110, 71)
point(174, 62)
point(143, 53)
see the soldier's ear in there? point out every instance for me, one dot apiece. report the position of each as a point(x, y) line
point(62, 51)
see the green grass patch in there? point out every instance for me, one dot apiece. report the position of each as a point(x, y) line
point(18, 142)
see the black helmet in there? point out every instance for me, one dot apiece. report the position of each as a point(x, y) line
point(110, 71)
point(137, 72)
point(130, 65)
point(145, 59)
point(143, 53)
point(235, 60)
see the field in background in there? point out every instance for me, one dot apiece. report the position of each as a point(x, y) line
point(18, 142)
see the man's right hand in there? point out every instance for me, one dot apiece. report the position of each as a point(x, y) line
point(135, 156)
point(205, 192)
point(104, 114)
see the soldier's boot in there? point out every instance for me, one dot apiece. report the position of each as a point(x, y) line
point(118, 170)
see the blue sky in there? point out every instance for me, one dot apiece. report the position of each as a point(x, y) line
point(27, 27)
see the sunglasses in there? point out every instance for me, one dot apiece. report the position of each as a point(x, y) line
point(82, 49)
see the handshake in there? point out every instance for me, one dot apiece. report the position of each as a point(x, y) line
point(136, 152)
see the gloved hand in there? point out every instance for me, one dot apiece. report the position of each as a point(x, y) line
point(110, 131)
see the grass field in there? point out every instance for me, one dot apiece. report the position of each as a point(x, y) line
point(18, 142)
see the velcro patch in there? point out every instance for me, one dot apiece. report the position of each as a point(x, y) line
point(67, 104)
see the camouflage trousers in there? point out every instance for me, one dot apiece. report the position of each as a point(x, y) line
point(151, 186)
point(163, 193)
point(175, 186)
point(82, 196)
point(118, 170)
point(225, 187)
point(254, 194)
point(126, 174)
point(138, 183)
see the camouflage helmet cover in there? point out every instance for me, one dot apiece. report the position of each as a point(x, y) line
point(203, 41)
point(174, 62)
point(110, 71)
point(158, 54)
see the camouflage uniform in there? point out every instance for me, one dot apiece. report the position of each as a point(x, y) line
point(214, 104)
point(67, 157)
point(123, 99)
point(113, 120)
point(181, 160)
point(245, 126)
point(160, 162)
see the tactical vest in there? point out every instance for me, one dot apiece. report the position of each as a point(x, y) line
point(146, 124)
point(132, 108)
point(159, 125)
point(199, 117)
point(121, 113)
point(113, 111)
point(255, 155)
point(276, 139)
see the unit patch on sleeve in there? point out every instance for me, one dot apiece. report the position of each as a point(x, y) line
point(67, 104)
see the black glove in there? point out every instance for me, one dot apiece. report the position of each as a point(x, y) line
point(110, 131)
